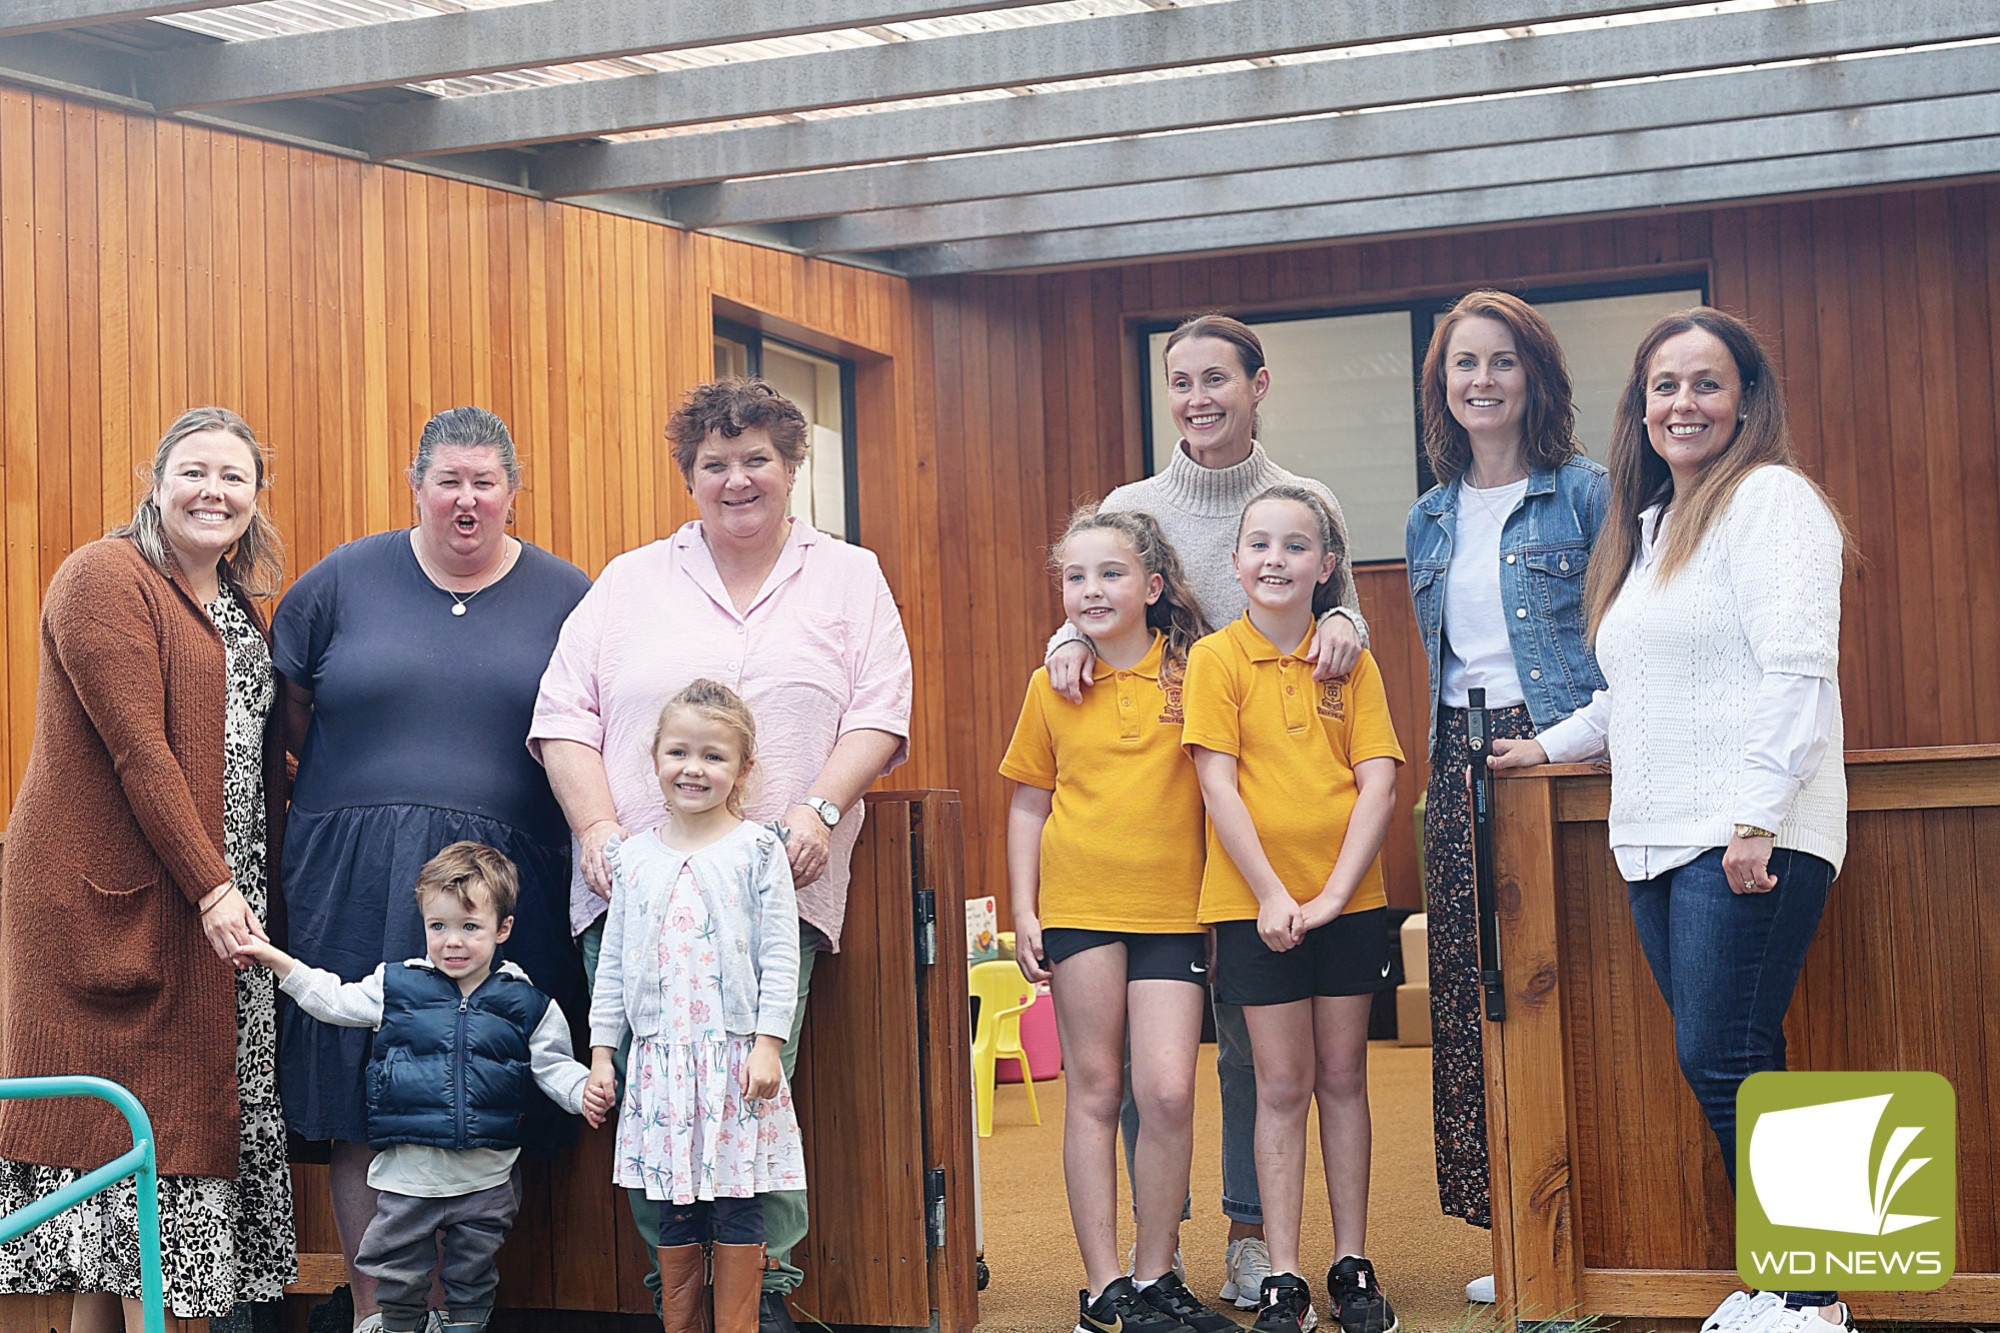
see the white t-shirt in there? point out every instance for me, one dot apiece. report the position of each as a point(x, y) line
point(1477, 651)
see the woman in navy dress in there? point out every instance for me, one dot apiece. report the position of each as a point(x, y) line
point(412, 659)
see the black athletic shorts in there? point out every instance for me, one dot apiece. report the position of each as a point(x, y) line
point(1349, 955)
point(1147, 957)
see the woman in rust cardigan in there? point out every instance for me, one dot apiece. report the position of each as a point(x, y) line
point(137, 859)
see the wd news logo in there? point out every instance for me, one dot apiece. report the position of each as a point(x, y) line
point(1846, 1181)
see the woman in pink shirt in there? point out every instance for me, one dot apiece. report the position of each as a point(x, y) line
point(800, 624)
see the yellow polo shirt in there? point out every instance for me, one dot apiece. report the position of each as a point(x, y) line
point(1122, 849)
point(1296, 742)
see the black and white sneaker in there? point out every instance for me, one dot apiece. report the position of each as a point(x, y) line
point(1357, 1298)
point(1283, 1304)
point(1119, 1309)
point(1170, 1296)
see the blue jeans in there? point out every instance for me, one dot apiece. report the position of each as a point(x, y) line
point(1727, 964)
point(1240, 1200)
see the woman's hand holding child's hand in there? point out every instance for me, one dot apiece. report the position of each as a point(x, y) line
point(1028, 949)
point(600, 1094)
point(1280, 924)
point(761, 1072)
point(264, 954)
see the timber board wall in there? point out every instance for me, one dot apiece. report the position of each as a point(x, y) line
point(1880, 309)
point(146, 267)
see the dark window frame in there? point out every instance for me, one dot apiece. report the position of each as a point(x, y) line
point(753, 340)
point(1423, 312)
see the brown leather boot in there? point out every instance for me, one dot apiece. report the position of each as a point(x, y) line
point(739, 1282)
point(683, 1289)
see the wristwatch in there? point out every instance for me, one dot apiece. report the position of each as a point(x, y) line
point(828, 812)
point(1752, 831)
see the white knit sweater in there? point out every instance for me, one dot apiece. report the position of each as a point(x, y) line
point(1198, 508)
point(1684, 658)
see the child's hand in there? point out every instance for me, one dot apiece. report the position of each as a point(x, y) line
point(599, 1098)
point(1320, 910)
point(600, 1094)
point(1028, 949)
point(264, 954)
point(1280, 924)
point(761, 1072)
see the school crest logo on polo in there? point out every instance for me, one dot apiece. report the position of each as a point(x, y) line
point(1170, 710)
point(1848, 1181)
point(1332, 702)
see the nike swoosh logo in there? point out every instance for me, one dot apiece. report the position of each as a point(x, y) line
point(1196, 968)
point(1386, 966)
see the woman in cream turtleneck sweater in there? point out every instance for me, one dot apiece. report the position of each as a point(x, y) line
point(1215, 379)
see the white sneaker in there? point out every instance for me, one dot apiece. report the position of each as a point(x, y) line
point(1245, 1265)
point(1479, 1291)
point(372, 1324)
point(1132, 1262)
point(1740, 1310)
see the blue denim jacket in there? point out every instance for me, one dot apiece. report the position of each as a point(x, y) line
point(1544, 550)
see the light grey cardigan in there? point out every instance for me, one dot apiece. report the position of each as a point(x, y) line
point(746, 883)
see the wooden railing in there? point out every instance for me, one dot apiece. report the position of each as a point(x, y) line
point(1609, 1196)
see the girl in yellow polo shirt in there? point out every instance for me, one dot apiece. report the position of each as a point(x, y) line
point(1299, 777)
point(1104, 862)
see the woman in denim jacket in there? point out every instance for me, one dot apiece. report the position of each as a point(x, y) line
point(1497, 552)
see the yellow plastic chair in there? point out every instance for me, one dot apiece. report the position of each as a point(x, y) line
point(1003, 994)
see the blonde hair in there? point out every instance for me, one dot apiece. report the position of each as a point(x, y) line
point(716, 702)
point(1640, 478)
point(1175, 612)
point(467, 871)
point(1326, 593)
point(256, 564)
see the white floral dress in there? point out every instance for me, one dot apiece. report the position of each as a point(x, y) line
point(686, 1132)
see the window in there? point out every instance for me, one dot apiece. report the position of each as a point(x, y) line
point(823, 388)
point(1343, 400)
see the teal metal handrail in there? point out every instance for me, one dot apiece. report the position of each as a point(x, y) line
point(139, 1163)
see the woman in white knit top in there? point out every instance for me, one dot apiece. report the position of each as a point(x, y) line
point(1714, 597)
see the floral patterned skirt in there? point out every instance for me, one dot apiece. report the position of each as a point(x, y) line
point(222, 1241)
point(686, 1132)
point(1458, 1056)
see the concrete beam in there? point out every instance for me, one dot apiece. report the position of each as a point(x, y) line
point(1490, 164)
point(1567, 114)
point(19, 16)
point(480, 41)
point(1009, 57)
point(1466, 210)
point(1553, 60)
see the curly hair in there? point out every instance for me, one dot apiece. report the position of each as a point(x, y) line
point(1175, 612)
point(732, 406)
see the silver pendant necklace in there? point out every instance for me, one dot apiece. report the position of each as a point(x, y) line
point(458, 602)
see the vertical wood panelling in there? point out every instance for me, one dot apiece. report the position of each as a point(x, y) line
point(1879, 310)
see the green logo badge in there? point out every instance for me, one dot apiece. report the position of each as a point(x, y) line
point(1846, 1181)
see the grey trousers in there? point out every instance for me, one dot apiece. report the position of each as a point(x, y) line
point(402, 1246)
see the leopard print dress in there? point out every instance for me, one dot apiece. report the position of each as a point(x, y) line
point(223, 1241)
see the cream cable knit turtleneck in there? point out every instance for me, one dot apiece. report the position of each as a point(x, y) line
point(1198, 508)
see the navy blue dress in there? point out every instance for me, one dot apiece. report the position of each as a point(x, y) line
point(418, 739)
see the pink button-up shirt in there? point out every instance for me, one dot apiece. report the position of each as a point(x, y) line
point(820, 653)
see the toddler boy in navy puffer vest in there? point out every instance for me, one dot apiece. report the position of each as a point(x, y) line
point(460, 1050)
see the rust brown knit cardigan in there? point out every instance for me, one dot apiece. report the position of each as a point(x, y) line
point(116, 835)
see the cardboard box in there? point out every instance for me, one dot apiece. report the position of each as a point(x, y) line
point(1416, 940)
point(1413, 1015)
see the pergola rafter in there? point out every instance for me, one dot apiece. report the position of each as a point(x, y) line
point(1053, 138)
